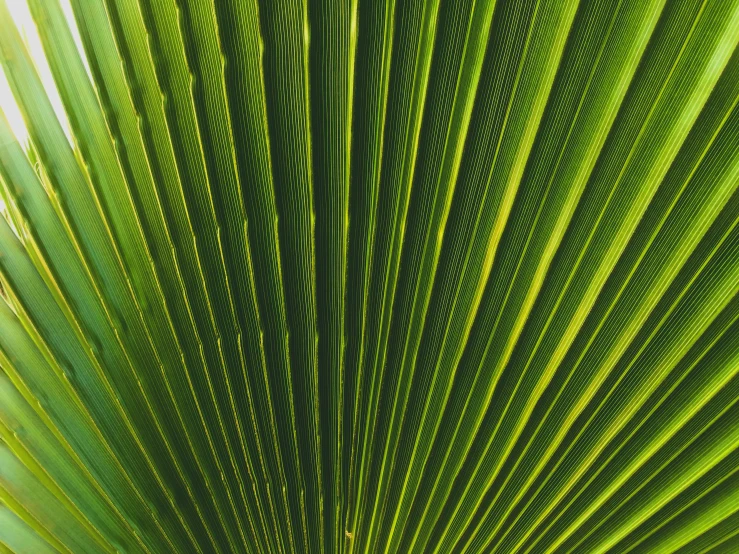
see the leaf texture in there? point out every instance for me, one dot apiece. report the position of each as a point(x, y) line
point(444, 276)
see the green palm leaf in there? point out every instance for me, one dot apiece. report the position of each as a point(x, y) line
point(451, 276)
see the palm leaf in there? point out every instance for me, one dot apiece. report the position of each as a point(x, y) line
point(369, 276)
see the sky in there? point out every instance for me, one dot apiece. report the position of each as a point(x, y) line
point(24, 22)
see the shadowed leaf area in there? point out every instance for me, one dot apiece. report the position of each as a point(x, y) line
point(369, 276)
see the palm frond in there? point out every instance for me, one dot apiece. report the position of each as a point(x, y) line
point(445, 276)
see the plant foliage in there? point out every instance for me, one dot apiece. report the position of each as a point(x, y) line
point(445, 276)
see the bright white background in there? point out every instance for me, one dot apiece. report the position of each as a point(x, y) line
point(24, 22)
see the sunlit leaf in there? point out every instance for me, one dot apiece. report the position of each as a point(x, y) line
point(362, 276)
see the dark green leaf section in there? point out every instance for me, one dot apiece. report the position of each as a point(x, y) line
point(445, 276)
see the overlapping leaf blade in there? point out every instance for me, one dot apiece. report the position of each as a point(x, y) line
point(371, 276)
